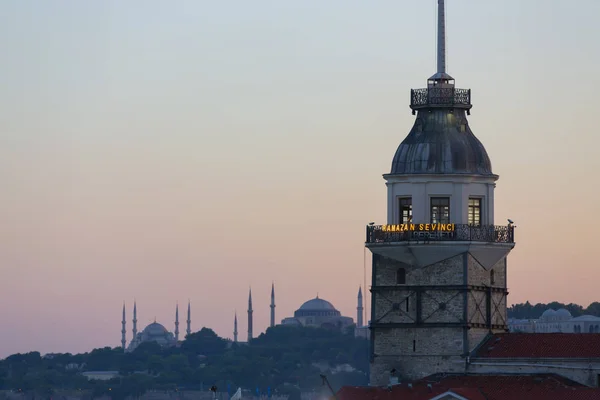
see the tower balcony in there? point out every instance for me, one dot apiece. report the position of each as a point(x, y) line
point(440, 233)
point(440, 97)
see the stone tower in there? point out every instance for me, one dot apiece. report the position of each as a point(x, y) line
point(272, 305)
point(439, 264)
point(359, 309)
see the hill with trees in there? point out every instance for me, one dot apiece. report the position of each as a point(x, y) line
point(529, 311)
point(284, 360)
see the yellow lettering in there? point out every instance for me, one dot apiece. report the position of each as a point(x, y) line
point(412, 227)
point(443, 227)
point(421, 227)
point(427, 227)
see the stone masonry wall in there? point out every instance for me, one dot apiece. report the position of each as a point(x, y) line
point(478, 275)
point(417, 352)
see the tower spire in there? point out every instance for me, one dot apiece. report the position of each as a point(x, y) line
point(273, 304)
point(359, 309)
point(177, 322)
point(250, 315)
point(123, 331)
point(134, 319)
point(188, 330)
point(441, 39)
point(235, 331)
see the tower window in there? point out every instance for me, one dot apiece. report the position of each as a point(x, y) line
point(401, 276)
point(405, 210)
point(440, 210)
point(414, 345)
point(492, 279)
point(475, 212)
point(407, 304)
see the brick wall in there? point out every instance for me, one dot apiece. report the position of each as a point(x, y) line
point(417, 352)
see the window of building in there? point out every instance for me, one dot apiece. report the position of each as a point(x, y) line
point(407, 304)
point(405, 210)
point(400, 276)
point(440, 210)
point(414, 345)
point(474, 212)
point(492, 279)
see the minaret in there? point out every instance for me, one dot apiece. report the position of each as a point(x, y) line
point(134, 319)
point(123, 331)
point(439, 257)
point(235, 331)
point(177, 322)
point(359, 309)
point(272, 305)
point(250, 315)
point(188, 329)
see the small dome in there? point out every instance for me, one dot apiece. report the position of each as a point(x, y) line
point(548, 314)
point(441, 142)
point(563, 313)
point(317, 304)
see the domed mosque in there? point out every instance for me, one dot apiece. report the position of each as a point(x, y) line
point(316, 312)
point(154, 332)
point(319, 313)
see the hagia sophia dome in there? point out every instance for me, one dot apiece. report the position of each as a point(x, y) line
point(320, 313)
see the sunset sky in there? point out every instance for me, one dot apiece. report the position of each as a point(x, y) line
point(175, 150)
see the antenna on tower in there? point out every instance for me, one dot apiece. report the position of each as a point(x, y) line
point(441, 39)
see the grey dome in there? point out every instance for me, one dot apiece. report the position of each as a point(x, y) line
point(549, 313)
point(317, 308)
point(563, 313)
point(155, 329)
point(317, 304)
point(441, 142)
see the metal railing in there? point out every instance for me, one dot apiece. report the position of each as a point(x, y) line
point(440, 232)
point(440, 97)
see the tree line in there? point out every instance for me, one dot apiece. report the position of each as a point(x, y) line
point(283, 360)
point(529, 311)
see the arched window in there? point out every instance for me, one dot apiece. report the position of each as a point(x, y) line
point(400, 276)
point(492, 279)
point(596, 329)
point(591, 329)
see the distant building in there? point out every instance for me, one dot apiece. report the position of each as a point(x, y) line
point(556, 321)
point(100, 375)
point(154, 332)
point(319, 313)
point(316, 312)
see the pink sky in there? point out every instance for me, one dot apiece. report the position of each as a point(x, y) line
point(192, 152)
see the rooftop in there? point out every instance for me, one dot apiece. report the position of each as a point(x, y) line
point(475, 387)
point(541, 345)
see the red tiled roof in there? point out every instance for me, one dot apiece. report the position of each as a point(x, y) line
point(469, 393)
point(479, 387)
point(541, 345)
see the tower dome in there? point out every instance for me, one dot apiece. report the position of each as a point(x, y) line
point(441, 143)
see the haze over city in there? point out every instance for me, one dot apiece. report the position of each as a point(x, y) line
point(171, 151)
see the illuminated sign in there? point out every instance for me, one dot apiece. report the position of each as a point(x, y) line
point(418, 228)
